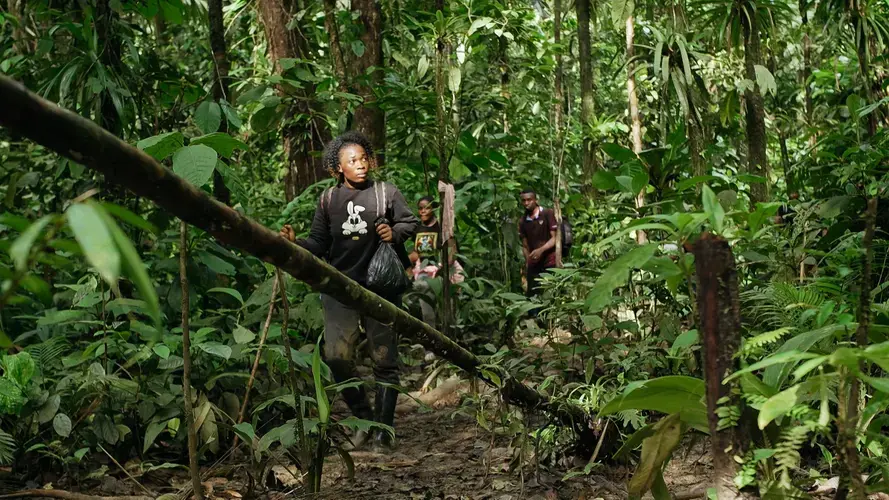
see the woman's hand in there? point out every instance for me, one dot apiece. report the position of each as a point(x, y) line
point(385, 232)
point(288, 233)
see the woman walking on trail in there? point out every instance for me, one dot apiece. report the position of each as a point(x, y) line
point(427, 255)
point(343, 233)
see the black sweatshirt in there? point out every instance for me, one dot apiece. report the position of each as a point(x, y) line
point(343, 231)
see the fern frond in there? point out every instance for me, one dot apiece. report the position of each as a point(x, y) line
point(49, 350)
point(763, 339)
point(7, 447)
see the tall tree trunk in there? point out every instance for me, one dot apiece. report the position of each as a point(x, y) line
point(366, 72)
point(16, 8)
point(635, 119)
point(336, 54)
point(220, 84)
point(503, 57)
point(558, 119)
point(308, 134)
point(589, 161)
point(442, 61)
point(806, 70)
point(862, 45)
point(111, 59)
point(757, 161)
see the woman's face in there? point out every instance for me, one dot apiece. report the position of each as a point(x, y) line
point(426, 212)
point(354, 164)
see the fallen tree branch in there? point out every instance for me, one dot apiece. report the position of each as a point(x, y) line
point(85, 142)
point(67, 495)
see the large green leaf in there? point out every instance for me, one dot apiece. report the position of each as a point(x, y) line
point(320, 393)
point(19, 368)
point(11, 397)
point(94, 237)
point(134, 269)
point(208, 117)
point(621, 10)
point(713, 209)
point(49, 409)
point(224, 144)
point(655, 451)
point(61, 423)
point(195, 164)
point(21, 247)
point(616, 275)
point(161, 146)
point(216, 349)
point(152, 432)
point(777, 374)
point(672, 394)
point(243, 335)
point(781, 403)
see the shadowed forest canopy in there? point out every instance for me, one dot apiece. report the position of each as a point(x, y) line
point(722, 166)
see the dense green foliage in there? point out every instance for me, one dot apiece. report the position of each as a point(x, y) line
point(91, 299)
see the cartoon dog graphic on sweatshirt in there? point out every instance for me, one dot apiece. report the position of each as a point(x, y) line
point(354, 224)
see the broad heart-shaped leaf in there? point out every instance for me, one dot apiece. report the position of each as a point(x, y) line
point(208, 117)
point(245, 431)
point(616, 275)
point(216, 349)
point(134, 268)
point(620, 11)
point(655, 451)
point(243, 335)
point(21, 247)
point(320, 393)
point(672, 394)
point(61, 423)
point(19, 368)
point(358, 48)
point(222, 143)
point(605, 180)
point(195, 163)
point(94, 237)
point(161, 146)
point(423, 66)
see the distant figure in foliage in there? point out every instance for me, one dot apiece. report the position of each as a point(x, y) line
point(426, 257)
point(538, 231)
point(343, 233)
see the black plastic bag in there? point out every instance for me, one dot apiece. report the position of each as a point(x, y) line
point(386, 274)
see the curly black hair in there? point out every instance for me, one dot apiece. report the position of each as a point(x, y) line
point(331, 158)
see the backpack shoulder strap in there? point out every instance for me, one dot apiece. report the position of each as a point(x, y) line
point(326, 196)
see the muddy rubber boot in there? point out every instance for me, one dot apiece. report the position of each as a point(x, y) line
point(384, 413)
point(356, 399)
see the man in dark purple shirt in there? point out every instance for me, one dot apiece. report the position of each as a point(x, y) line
point(538, 232)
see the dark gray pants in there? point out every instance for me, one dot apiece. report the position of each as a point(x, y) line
point(342, 334)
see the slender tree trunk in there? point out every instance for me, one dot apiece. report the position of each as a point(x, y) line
point(785, 162)
point(442, 52)
point(589, 160)
point(503, 57)
point(366, 73)
point(695, 133)
point(558, 119)
point(862, 44)
point(309, 133)
point(757, 161)
point(806, 70)
point(16, 8)
point(220, 84)
point(187, 395)
point(635, 119)
point(336, 53)
point(110, 58)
